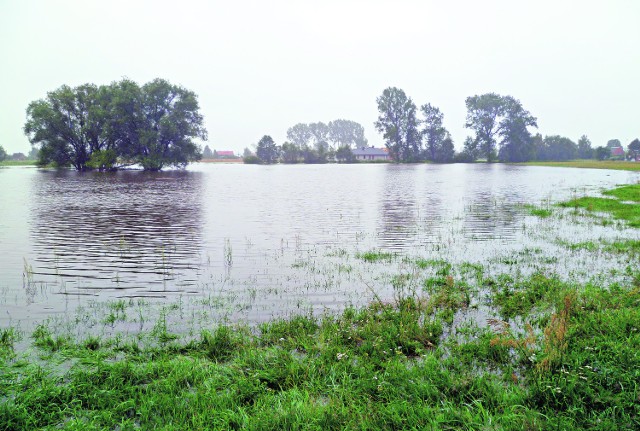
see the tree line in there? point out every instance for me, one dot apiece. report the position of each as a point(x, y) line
point(107, 127)
point(501, 131)
point(312, 143)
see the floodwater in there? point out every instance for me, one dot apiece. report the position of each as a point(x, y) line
point(269, 240)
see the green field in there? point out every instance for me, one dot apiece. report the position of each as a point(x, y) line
point(18, 163)
point(590, 164)
point(553, 354)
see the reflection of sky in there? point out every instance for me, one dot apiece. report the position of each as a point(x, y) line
point(279, 237)
point(100, 231)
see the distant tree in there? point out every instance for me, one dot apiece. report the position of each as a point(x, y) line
point(470, 152)
point(634, 148)
point(398, 124)
point(33, 153)
point(207, 153)
point(251, 159)
point(558, 148)
point(516, 142)
point(267, 150)
point(290, 153)
point(346, 133)
point(345, 154)
point(438, 143)
point(3, 153)
point(602, 153)
point(247, 152)
point(500, 120)
point(319, 132)
point(447, 152)
point(299, 135)
point(585, 151)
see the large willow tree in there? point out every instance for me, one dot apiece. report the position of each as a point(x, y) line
point(110, 126)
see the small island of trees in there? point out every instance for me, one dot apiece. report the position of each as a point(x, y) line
point(112, 126)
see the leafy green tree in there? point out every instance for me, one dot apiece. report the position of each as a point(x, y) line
point(69, 125)
point(516, 142)
point(438, 143)
point(446, 152)
point(634, 148)
point(170, 122)
point(558, 148)
point(346, 133)
point(207, 153)
point(267, 150)
point(153, 125)
point(103, 160)
point(398, 124)
point(290, 153)
point(500, 120)
point(584, 148)
point(247, 152)
point(3, 153)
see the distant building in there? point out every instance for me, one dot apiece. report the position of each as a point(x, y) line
point(371, 153)
point(617, 153)
point(18, 156)
point(225, 155)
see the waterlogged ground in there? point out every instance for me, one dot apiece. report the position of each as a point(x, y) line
point(248, 243)
point(536, 328)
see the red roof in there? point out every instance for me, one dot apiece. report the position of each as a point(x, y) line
point(225, 153)
point(617, 151)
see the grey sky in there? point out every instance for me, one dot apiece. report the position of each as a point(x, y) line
point(260, 67)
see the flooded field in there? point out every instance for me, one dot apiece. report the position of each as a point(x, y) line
point(247, 243)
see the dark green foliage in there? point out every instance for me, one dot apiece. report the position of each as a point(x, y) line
point(90, 127)
point(3, 154)
point(500, 124)
point(557, 148)
point(634, 148)
point(267, 150)
point(438, 143)
point(398, 124)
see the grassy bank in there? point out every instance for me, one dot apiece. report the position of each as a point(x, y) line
point(18, 163)
point(591, 164)
point(454, 348)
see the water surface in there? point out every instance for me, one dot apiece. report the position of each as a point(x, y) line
point(270, 240)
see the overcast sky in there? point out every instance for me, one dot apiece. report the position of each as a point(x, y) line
point(260, 67)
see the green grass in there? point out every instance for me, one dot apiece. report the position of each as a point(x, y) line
point(385, 366)
point(376, 256)
point(18, 163)
point(618, 210)
point(538, 211)
point(590, 164)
